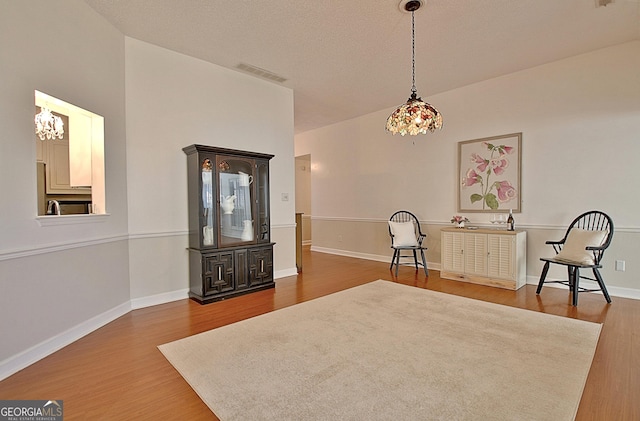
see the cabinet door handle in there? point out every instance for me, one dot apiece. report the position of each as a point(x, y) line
point(261, 265)
point(219, 273)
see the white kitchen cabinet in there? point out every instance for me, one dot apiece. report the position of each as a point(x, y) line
point(57, 169)
point(80, 135)
point(484, 256)
point(40, 151)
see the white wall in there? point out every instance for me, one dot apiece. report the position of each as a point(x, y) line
point(54, 278)
point(174, 101)
point(580, 120)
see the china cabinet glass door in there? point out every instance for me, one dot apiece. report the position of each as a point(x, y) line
point(263, 201)
point(236, 199)
point(207, 202)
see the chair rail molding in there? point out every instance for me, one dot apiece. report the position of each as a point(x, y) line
point(50, 248)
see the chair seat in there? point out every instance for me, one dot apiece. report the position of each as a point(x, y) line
point(408, 247)
point(569, 262)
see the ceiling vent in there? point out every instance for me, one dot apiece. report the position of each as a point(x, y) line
point(256, 71)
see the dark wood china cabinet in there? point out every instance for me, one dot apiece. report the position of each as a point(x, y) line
point(230, 248)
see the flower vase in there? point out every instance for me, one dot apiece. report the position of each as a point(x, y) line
point(460, 224)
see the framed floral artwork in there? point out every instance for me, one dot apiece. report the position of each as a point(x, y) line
point(489, 174)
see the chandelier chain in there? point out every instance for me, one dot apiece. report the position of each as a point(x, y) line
point(413, 54)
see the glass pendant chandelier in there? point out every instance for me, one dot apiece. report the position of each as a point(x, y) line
point(48, 126)
point(415, 116)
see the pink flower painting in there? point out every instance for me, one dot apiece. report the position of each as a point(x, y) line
point(484, 167)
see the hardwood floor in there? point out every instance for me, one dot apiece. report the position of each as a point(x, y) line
point(117, 372)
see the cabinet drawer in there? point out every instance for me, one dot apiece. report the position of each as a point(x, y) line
point(218, 273)
point(260, 265)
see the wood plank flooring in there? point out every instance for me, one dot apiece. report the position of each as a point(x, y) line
point(117, 372)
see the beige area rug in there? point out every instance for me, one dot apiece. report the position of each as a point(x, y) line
point(386, 351)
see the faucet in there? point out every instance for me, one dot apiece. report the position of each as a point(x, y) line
point(53, 207)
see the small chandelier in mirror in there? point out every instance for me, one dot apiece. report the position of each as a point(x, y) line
point(415, 116)
point(48, 126)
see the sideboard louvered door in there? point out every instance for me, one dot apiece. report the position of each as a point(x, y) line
point(453, 252)
point(475, 256)
point(501, 259)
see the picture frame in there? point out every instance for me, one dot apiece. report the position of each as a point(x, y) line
point(489, 174)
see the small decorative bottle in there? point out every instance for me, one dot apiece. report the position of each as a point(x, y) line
point(510, 223)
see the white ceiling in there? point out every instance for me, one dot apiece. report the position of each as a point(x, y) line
point(344, 59)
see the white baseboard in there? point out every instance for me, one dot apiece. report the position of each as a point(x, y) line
point(348, 253)
point(37, 352)
point(154, 300)
point(375, 257)
point(284, 273)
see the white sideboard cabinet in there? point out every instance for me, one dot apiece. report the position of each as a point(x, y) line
point(484, 256)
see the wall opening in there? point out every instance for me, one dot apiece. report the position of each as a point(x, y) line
point(70, 171)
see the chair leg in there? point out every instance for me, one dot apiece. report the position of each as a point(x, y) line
point(415, 259)
point(393, 259)
point(397, 262)
point(424, 263)
point(543, 276)
point(596, 273)
point(576, 281)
